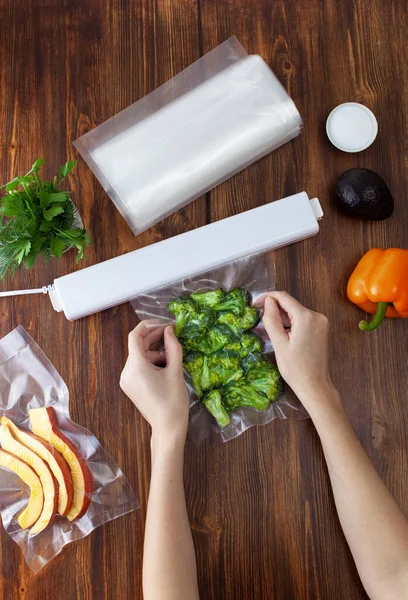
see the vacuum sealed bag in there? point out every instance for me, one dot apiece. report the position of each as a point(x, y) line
point(255, 275)
point(57, 483)
point(213, 119)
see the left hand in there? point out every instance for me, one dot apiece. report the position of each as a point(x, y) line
point(158, 392)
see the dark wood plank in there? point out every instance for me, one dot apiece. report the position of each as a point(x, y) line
point(261, 507)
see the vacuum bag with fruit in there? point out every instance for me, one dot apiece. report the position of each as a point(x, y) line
point(227, 355)
point(57, 483)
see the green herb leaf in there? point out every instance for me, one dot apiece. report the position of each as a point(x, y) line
point(31, 226)
point(37, 242)
point(58, 197)
point(52, 212)
point(14, 206)
point(66, 169)
point(13, 184)
point(46, 226)
point(44, 198)
point(72, 233)
point(20, 254)
point(38, 163)
point(57, 246)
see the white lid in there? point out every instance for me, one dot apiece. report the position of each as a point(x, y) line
point(351, 127)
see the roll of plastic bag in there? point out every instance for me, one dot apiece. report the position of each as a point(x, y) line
point(215, 118)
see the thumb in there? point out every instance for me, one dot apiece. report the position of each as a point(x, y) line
point(272, 321)
point(173, 349)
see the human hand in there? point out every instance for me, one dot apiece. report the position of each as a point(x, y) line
point(300, 339)
point(158, 392)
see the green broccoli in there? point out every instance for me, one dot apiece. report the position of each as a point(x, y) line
point(210, 341)
point(252, 360)
point(213, 403)
point(191, 320)
point(237, 325)
point(182, 308)
point(242, 394)
point(235, 301)
point(194, 363)
point(266, 380)
point(224, 368)
point(197, 323)
point(213, 371)
point(248, 344)
point(208, 299)
point(224, 360)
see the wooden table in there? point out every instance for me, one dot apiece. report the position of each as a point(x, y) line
point(262, 513)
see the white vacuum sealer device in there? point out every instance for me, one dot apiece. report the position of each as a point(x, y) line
point(121, 279)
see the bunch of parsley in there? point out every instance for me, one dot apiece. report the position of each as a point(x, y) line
point(37, 219)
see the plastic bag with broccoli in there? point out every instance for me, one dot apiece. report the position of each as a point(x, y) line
point(228, 359)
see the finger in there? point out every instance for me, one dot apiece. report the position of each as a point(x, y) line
point(174, 351)
point(156, 357)
point(143, 335)
point(285, 301)
point(285, 319)
point(136, 339)
point(273, 323)
point(155, 334)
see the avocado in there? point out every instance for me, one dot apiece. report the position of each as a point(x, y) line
point(364, 194)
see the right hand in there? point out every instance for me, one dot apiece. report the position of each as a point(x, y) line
point(301, 342)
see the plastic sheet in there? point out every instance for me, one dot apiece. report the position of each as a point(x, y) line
point(28, 380)
point(256, 274)
point(215, 118)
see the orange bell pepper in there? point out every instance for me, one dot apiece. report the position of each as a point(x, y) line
point(379, 285)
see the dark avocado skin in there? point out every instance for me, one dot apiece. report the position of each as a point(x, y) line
point(364, 194)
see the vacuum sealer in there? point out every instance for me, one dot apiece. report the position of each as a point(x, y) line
point(121, 279)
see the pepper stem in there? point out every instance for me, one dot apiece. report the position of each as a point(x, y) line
point(378, 317)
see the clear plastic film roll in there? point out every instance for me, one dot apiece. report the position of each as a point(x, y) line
point(216, 117)
point(255, 274)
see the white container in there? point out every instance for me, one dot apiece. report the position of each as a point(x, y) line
point(217, 117)
point(351, 127)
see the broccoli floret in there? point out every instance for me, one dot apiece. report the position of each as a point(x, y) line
point(242, 394)
point(194, 364)
point(248, 344)
point(209, 299)
point(210, 341)
point(235, 301)
point(197, 323)
point(191, 320)
point(252, 360)
point(251, 343)
point(213, 404)
point(266, 380)
point(213, 371)
point(182, 308)
point(207, 378)
point(224, 368)
point(239, 324)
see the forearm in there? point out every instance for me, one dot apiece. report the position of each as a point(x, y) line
point(169, 565)
point(375, 527)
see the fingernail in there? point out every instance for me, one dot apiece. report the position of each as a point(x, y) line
point(268, 302)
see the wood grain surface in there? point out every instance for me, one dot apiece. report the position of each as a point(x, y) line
point(261, 509)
